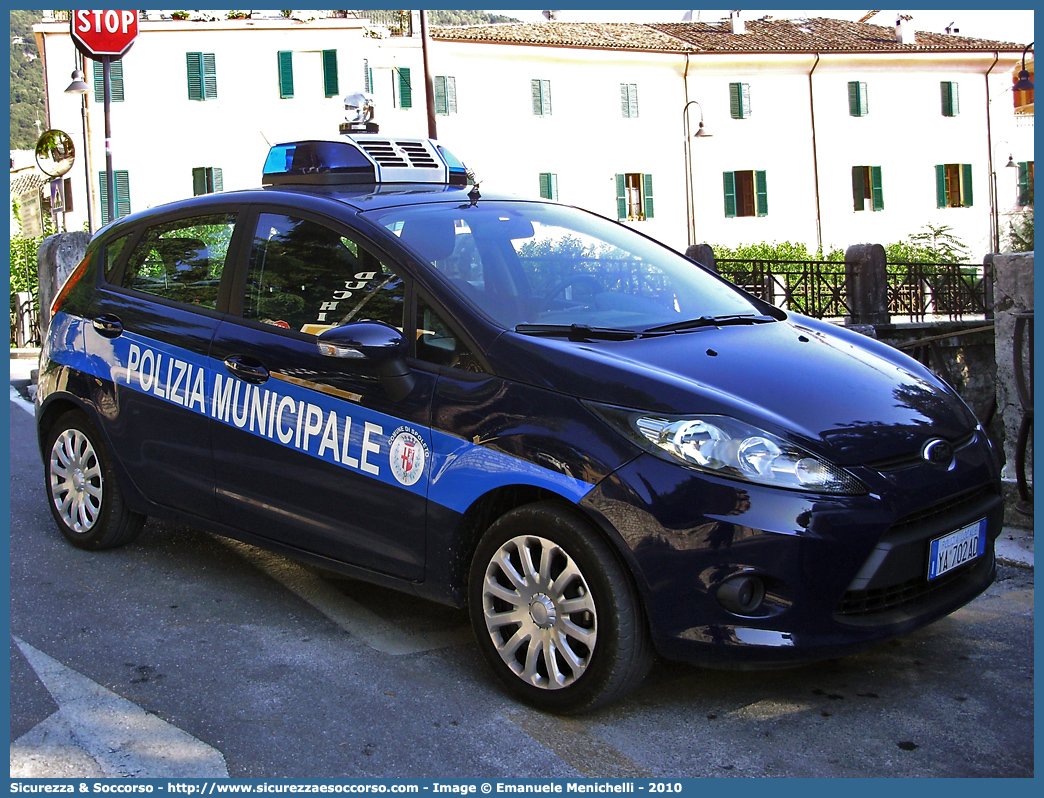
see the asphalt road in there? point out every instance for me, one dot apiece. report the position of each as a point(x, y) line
point(187, 655)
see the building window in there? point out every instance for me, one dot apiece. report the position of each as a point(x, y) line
point(953, 185)
point(549, 185)
point(123, 204)
point(857, 102)
point(115, 81)
point(207, 180)
point(1025, 182)
point(445, 95)
point(629, 100)
point(202, 76)
point(739, 100)
point(286, 74)
point(866, 185)
point(330, 83)
point(746, 194)
point(634, 197)
point(541, 90)
point(950, 104)
point(402, 91)
point(367, 77)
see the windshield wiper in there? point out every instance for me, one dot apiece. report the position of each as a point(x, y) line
point(711, 321)
point(578, 332)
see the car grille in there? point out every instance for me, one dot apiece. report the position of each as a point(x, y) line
point(909, 594)
point(948, 510)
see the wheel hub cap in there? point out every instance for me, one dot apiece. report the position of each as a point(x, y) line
point(539, 612)
point(542, 611)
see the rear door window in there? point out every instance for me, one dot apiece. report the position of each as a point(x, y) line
point(182, 261)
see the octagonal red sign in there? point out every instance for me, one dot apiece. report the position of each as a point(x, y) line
point(100, 34)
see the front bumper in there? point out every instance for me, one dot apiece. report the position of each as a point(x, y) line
point(840, 573)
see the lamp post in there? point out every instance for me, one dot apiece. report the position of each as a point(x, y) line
point(702, 133)
point(1024, 83)
point(79, 86)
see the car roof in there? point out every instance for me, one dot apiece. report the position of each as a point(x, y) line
point(320, 198)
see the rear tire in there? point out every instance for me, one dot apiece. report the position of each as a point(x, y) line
point(85, 496)
point(555, 612)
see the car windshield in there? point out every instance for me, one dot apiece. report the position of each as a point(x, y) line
point(527, 263)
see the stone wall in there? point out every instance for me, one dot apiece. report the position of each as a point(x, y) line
point(57, 257)
point(1013, 297)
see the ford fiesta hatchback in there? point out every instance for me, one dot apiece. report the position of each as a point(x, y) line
point(600, 448)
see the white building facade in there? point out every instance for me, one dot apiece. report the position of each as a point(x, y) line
point(824, 132)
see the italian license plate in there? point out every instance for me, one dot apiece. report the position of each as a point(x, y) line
point(956, 548)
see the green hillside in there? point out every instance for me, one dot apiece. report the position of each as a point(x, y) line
point(27, 92)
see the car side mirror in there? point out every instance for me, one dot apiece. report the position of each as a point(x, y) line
point(378, 344)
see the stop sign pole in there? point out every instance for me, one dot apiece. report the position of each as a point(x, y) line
point(105, 36)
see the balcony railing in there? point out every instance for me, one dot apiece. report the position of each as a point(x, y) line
point(916, 291)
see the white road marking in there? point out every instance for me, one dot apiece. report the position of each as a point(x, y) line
point(354, 618)
point(22, 403)
point(98, 734)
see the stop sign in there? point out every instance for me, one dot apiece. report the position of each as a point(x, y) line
point(104, 34)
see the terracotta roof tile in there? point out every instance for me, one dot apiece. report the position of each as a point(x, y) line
point(614, 36)
point(771, 35)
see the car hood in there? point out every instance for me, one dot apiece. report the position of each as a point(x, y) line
point(838, 394)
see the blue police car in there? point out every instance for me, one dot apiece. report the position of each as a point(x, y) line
point(602, 449)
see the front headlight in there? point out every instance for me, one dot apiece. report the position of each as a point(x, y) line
point(730, 448)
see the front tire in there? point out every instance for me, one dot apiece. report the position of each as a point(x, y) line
point(554, 611)
point(85, 496)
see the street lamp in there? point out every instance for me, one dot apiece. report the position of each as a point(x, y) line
point(79, 86)
point(701, 132)
point(1024, 82)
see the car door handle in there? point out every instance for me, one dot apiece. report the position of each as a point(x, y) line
point(247, 368)
point(108, 326)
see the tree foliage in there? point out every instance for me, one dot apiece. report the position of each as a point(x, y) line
point(457, 18)
point(27, 89)
point(1020, 232)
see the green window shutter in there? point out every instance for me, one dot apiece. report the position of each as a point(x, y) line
point(115, 81)
point(330, 84)
point(541, 91)
point(621, 197)
point(647, 191)
point(950, 101)
point(940, 186)
point(123, 206)
point(966, 185)
point(876, 188)
point(441, 105)
point(629, 100)
point(730, 194)
point(199, 180)
point(1025, 188)
point(286, 74)
point(761, 189)
point(103, 196)
point(858, 187)
point(857, 104)
point(545, 185)
point(209, 76)
point(194, 66)
point(451, 95)
point(739, 100)
point(405, 90)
